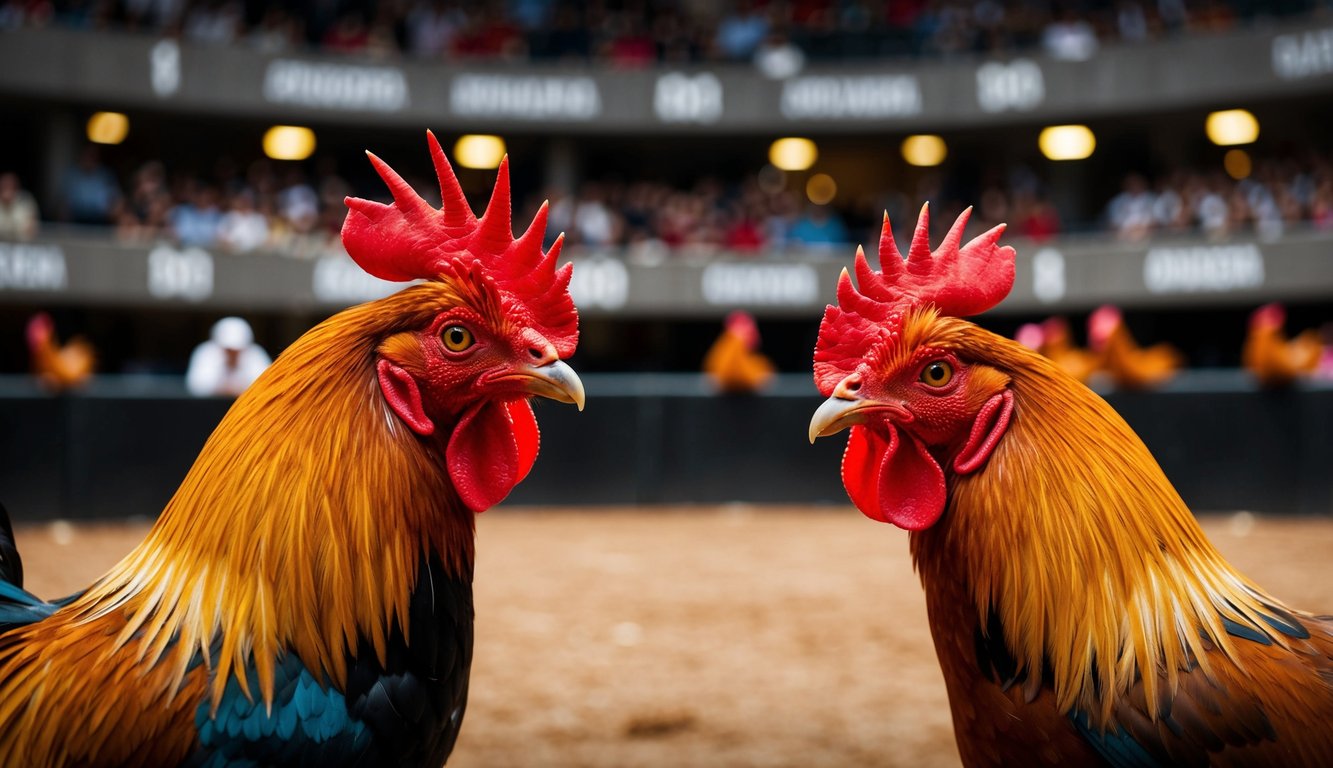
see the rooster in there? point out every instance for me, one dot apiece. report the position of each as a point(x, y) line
point(734, 362)
point(1053, 339)
point(58, 367)
point(1130, 366)
point(305, 597)
point(1273, 359)
point(1079, 614)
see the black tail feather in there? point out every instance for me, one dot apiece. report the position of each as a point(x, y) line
point(11, 565)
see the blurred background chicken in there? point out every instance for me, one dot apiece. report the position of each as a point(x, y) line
point(1273, 359)
point(734, 362)
point(1129, 365)
point(1053, 338)
point(59, 367)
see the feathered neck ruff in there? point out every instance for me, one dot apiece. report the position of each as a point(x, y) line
point(1078, 543)
point(303, 521)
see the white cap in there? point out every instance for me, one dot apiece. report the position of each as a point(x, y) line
point(232, 333)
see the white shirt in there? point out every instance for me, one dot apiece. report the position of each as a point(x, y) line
point(210, 375)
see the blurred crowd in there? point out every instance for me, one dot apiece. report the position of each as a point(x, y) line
point(1281, 192)
point(264, 206)
point(765, 215)
point(297, 209)
point(778, 35)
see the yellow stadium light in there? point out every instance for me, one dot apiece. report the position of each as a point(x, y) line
point(1231, 127)
point(821, 189)
point(289, 142)
point(793, 154)
point(1238, 165)
point(108, 128)
point(479, 151)
point(1066, 142)
point(924, 150)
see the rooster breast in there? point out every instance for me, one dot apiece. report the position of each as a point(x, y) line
point(404, 712)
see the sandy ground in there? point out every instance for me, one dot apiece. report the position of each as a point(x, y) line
point(737, 636)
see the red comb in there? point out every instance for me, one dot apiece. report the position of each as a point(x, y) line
point(410, 239)
point(957, 281)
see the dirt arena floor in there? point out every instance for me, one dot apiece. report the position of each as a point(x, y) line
point(734, 636)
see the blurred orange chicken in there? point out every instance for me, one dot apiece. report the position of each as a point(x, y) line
point(1053, 339)
point(59, 367)
point(734, 362)
point(1129, 365)
point(1273, 359)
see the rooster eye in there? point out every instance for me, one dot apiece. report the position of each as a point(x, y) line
point(937, 374)
point(457, 338)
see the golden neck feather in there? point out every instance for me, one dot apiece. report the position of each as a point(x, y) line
point(1076, 539)
point(303, 521)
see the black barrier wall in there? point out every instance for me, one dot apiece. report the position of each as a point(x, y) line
point(116, 452)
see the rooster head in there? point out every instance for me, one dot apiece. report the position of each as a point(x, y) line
point(495, 324)
point(893, 362)
point(1269, 317)
point(1102, 324)
point(41, 331)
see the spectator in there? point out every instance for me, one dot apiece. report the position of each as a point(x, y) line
point(217, 22)
point(1130, 213)
point(228, 362)
point(741, 31)
point(630, 46)
point(89, 191)
point(194, 221)
point(277, 32)
point(778, 57)
point(348, 34)
point(431, 28)
point(18, 210)
point(1039, 220)
point(1212, 211)
point(819, 227)
point(744, 233)
point(594, 223)
point(243, 228)
point(1069, 38)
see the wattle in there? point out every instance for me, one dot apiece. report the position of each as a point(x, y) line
point(491, 450)
point(893, 478)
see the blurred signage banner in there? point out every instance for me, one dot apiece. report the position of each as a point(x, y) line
point(1203, 268)
point(526, 97)
point(1017, 85)
point(1303, 54)
point(1060, 276)
point(184, 274)
point(338, 280)
point(32, 267)
point(851, 97)
point(682, 98)
point(735, 285)
point(68, 65)
point(335, 86)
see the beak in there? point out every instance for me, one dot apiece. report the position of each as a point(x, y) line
point(555, 380)
point(845, 408)
point(837, 414)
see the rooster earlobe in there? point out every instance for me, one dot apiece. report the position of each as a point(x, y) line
point(990, 425)
point(401, 393)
